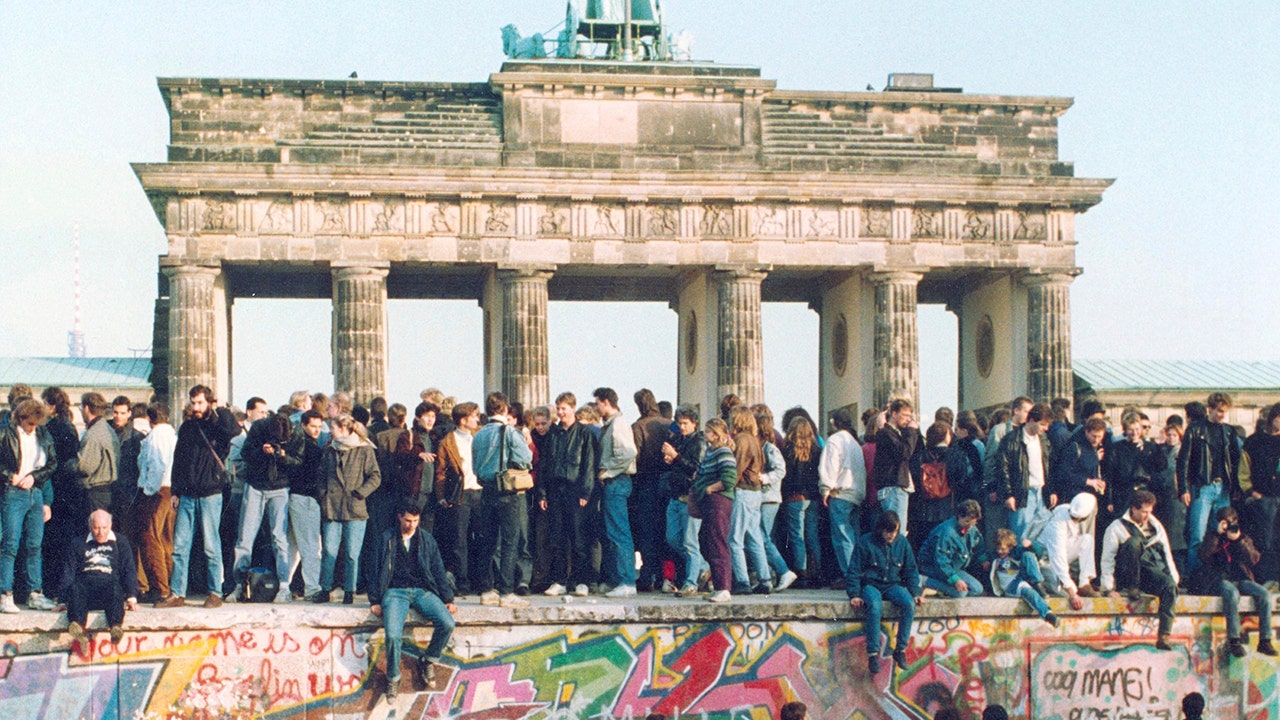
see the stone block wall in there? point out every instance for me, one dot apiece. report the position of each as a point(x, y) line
point(594, 659)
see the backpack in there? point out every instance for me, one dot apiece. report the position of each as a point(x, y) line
point(933, 481)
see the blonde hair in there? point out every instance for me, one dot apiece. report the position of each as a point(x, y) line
point(1005, 538)
point(801, 438)
point(718, 428)
point(346, 422)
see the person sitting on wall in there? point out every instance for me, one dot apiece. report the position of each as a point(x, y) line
point(409, 573)
point(949, 550)
point(1229, 557)
point(1015, 572)
point(100, 575)
point(1068, 542)
point(1136, 558)
point(883, 567)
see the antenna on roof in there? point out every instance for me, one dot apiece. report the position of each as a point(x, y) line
point(75, 338)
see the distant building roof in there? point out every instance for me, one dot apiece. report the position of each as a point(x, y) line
point(1176, 374)
point(94, 372)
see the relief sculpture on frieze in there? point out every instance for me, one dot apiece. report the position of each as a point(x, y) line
point(716, 221)
point(924, 223)
point(976, 227)
point(219, 215)
point(278, 220)
point(662, 221)
point(498, 220)
point(390, 219)
point(554, 221)
point(876, 222)
point(333, 214)
point(1031, 226)
point(822, 223)
point(773, 222)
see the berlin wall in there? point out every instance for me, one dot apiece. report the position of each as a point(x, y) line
point(605, 660)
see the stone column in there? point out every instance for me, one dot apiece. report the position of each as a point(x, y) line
point(897, 349)
point(360, 331)
point(193, 319)
point(1049, 336)
point(740, 355)
point(525, 374)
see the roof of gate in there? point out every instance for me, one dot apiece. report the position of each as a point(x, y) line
point(109, 372)
point(1178, 374)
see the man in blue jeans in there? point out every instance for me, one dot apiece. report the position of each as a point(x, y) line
point(198, 479)
point(504, 514)
point(950, 549)
point(409, 573)
point(617, 465)
point(883, 568)
point(1208, 471)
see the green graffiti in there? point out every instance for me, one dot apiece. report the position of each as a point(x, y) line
point(595, 668)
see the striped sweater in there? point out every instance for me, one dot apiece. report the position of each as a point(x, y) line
point(718, 465)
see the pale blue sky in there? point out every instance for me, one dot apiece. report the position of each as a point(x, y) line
point(1177, 100)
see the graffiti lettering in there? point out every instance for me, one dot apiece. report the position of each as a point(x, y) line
point(936, 625)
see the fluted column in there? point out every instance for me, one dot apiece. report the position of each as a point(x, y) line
point(741, 349)
point(897, 346)
point(193, 347)
point(525, 368)
point(360, 331)
point(1049, 336)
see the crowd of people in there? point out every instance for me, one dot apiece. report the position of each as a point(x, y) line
point(453, 499)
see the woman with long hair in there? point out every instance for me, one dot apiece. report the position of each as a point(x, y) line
point(772, 477)
point(799, 490)
point(351, 474)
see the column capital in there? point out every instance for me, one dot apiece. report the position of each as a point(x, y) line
point(740, 272)
point(1059, 277)
point(347, 270)
point(172, 271)
point(516, 272)
point(903, 277)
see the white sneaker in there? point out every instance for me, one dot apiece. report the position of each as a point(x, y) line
point(668, 587)
point(490, 597)
point(37, 601)
point(7, 606)
point(582, 590)
point(720, 596)
point(622, 591)
point(785, 581)
point(556, 590)
point(512, 600)
point(284, 596)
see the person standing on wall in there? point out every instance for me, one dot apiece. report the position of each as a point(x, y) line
point(198, 479)
point(28, 459)
point(617, 466)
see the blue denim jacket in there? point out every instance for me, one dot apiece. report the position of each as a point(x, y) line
point(881, 566)
point(485, 451)
point(946, 552)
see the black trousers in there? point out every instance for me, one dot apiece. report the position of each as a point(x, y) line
point(453, 532)
point(503, 528)
point(96, 592)
point(570, 536)
point(1133, 571)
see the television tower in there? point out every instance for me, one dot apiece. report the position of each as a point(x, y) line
point(75, 337)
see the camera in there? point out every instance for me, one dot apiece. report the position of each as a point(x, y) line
point(1233, 527)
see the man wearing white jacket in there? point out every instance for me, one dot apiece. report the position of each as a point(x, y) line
point(842, 480)
point(153, 512)
point(1067, 540)
point(1136, 558)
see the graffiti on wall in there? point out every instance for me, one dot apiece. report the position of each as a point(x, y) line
point(727, 671)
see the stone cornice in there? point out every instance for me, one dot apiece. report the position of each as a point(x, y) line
point(616, 186)
point(1056, 105)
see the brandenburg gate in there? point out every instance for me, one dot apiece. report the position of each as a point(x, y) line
point(697, 184)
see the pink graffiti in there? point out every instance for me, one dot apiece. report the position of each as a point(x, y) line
point(484, 685)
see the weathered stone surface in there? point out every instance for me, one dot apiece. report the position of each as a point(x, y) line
point(525, 368)
point(193, 351)
point(360, 331)
point(1049, 336)
point(897, 346)
point(741, 350)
